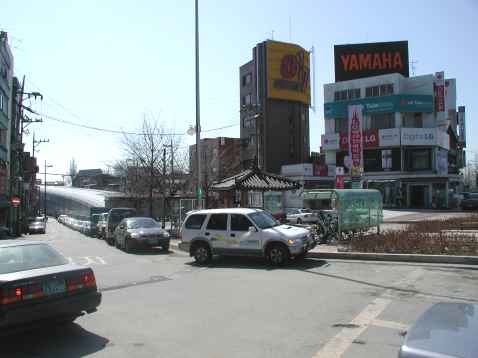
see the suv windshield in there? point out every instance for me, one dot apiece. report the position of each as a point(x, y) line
point(263, 220)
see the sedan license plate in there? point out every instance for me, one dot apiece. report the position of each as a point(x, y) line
point(53, 287)
point(152, 241)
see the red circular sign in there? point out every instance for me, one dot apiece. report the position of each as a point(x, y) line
point(289, 66)
point(15, 201)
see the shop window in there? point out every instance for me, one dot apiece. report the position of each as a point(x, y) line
point(413, 120)
point(372, 91)
point(340, 95)
point(382, 120)
point(341, 125)
point(419, 159)
point(372, 160)
point(386, 90)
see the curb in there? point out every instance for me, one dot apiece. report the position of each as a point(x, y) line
point(441, 259)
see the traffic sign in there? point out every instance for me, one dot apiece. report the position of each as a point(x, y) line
point(15, 201)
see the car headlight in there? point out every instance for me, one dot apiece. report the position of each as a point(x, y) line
point(294, 242)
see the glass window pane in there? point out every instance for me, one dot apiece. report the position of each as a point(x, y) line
point(240, 223)
point(195, 221)
point(217, 222)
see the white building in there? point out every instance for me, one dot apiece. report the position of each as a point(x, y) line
point(412, 145)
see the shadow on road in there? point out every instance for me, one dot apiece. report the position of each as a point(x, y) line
point(150, 251)
point(255, 263)
point(62, 341)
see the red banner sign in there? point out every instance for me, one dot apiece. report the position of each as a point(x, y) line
point(339, 182)
point(355, 135)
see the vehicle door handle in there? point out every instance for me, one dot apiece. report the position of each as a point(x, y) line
point(233, 235)
point(206, 233)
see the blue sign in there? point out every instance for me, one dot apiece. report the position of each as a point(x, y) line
point(383, 104)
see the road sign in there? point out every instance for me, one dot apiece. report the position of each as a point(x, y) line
point(15, 201)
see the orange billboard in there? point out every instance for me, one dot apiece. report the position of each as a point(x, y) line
point(288, 72)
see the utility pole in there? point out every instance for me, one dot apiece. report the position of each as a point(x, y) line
point(198, 115)
point(44, 186)
point(164, 188)
point(35, 142)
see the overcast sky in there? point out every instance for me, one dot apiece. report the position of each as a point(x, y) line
point(107, 65)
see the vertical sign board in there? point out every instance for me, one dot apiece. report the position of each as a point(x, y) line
point(355, 139)
point(440, 96)
point(339, 177)
point(462, 125)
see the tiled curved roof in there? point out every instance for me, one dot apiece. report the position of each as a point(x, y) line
point(255, 180)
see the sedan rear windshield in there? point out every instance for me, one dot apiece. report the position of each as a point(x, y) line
point(146, 223)
point(28, 257)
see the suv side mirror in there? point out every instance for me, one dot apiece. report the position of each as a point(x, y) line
point(252, 229)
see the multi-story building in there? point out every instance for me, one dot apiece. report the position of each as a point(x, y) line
point(274, 102)
point(412, 136)
point(220, 159)
point(6, 100)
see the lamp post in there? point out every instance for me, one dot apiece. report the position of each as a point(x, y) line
point(198, 116)
point(44, 200)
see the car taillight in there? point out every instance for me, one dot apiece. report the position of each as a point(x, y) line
point(85, 279)
point(16, 294)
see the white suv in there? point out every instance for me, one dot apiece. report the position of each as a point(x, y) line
point(242, 232)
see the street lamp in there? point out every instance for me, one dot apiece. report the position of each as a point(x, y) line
point(44, 200)
point(198, 116)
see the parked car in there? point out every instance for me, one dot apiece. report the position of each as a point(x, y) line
point(115, 216)
point(469, 201)
point(101, 226)
point(37, 225)
point(136, 232)
point(61, 219)
point(243, 232)
point(95, 218)
point(37, 283)
point(445, 330)
point(301, 216)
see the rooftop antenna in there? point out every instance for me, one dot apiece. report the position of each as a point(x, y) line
point(413, 66)
point(290, 28)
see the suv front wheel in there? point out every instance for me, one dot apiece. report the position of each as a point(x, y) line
point(278, 255)
point(201, 253)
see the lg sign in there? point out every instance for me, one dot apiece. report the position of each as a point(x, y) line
point(374, 59)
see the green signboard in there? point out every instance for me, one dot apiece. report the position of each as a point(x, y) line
point(383, 104)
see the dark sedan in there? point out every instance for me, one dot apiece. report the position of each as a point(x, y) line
point(38, 284)
point(470, 201)
point(138, 232)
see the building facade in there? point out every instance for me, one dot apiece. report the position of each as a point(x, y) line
point(412, 137)
point(220, 159)
point(274, 102)
point(6, 100)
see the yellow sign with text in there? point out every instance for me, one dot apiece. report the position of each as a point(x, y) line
point(288, 70)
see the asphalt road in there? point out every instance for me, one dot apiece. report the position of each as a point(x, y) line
point(162, 305)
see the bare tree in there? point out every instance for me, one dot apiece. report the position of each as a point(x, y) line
point(152, 163)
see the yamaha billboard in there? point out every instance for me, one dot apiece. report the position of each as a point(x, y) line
point(370, 59)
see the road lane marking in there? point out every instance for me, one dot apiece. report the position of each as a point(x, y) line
point(339, 344)
point(390, 324)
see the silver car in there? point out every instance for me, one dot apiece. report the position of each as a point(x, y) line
point(445, 330)
point(301, 216)
point(139, 232)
